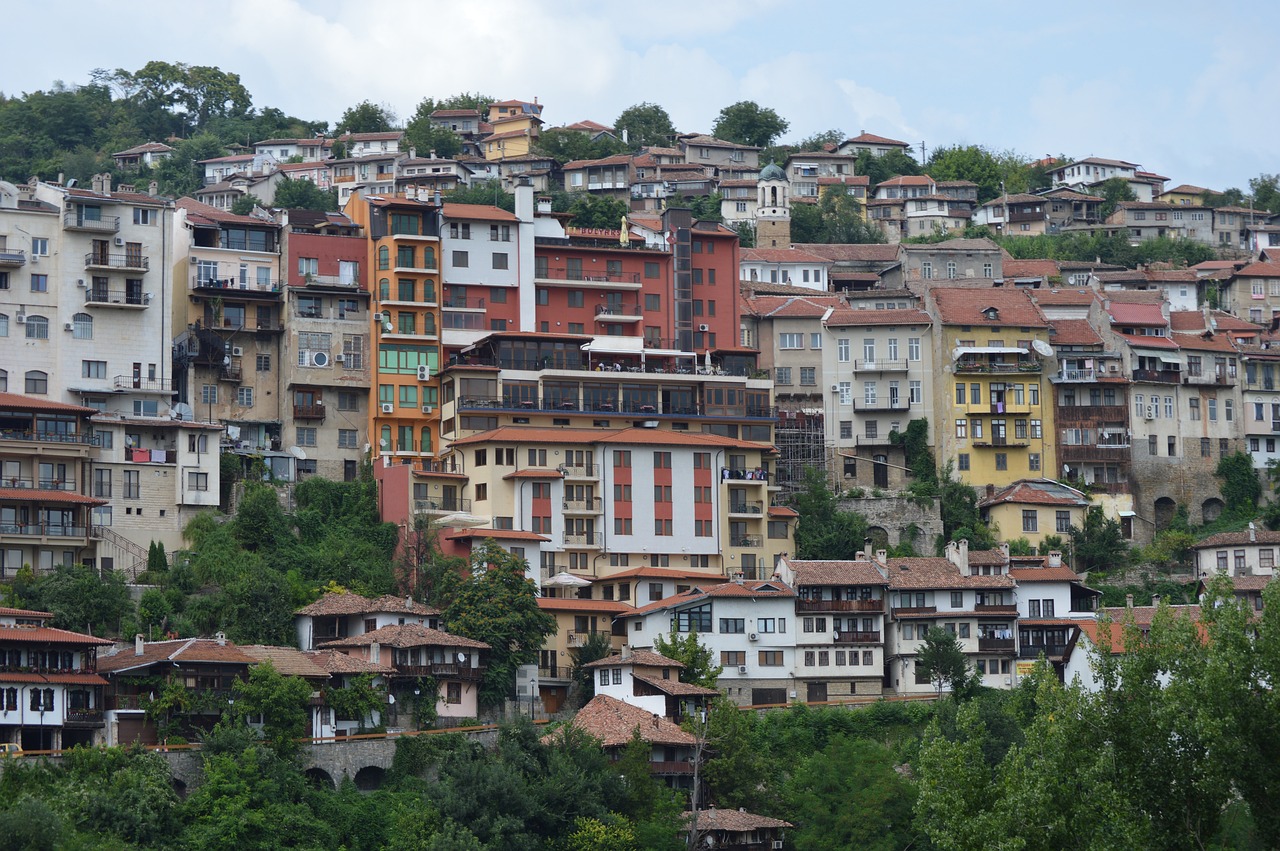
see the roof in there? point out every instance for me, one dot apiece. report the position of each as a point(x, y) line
point(289, 661)
point(793, 307)
point(636, 657)
point(957, 244)
point(24, 613)
point(1136, 314)
point(486, 212)
point(1029, 268)
point(1074, 332)
point(1259, 270)
point(199, 213)
point(675, 687)
point(496, 534)
point(1205, 341)
point(733, 821)
point(456, 113)
point(1036, 492)
point(853, 252)
point(660, 573)
point(908, 180)
point(1228, 539)
point(872, 139)
point(206, 650)
point(931, 572)
point(755, 589)
point(354, 604)
point(1148, 342)
point(617, 159)
point(406, 635)
point(1044, 574)
point(614, 723)
point(576, 604)
point(1016, 307)
point(712, 142)
point(848, 316)
point(145, 148)
point(19, 402)
point(836, 573)
point(47, 635)
point(780, 255)
point(80, 679)
point(63, 497)
point(336, 662)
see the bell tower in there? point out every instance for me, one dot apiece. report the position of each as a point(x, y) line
point(773, 208)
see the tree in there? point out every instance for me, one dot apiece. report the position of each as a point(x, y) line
point(564, 145)
point(81, 599)
point(367, 117)
point(960, 517)
point(881, 168)
point(245, 204)
point(1241, 487)
point(819, 141)
point(1097, 544)
point(180, 173)
point(1114, 191)
point(425, 136)
point(836, 218)
point(498, 604)
point(1265, 190)
point(302, 194)
point(280, 701)
point(942, 660)
point(157, 561)
point(987, 168)
point(488, 192)
point(199, 92)
point(824, 531)
point(597, 211)
point(645, 124)
point(597, 646)
point(748, 123)
point(700, 668)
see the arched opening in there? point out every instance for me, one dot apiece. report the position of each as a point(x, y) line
point(1166, 509)
point(773, 196)
point(879, 538)
point(1211, 509)
point(320, 778)
point(369, 778)
point(179, 786)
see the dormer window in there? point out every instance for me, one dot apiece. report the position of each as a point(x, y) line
point(991, 314)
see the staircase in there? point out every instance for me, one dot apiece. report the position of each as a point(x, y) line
point(139, 555)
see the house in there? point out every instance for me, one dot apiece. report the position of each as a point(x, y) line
point(614, 723)
point(735, 830)
point(292, 662)
point(1108, 634)
point(1185, 195)
point(315, 149)
point(1253, 292)
point(1066, 207)
point(1053, 602)
point(610, 176)
point(51, 696)
point(1037, 508)
point(343, 670)
point(869, 144)
point(577, 620)
point(739, 161)
point(345, 615)
point(148, 154)
point(805, 169)
point(649, 681)
point(949, 260)
point(789, 265)
point(419, 655)
point(1143, 220)
point(1238, 554)
point(1261, 412)
point(1233, 227)
point(1020, 214)
point(514, 129)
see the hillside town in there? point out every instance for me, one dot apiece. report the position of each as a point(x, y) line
point(637, 414)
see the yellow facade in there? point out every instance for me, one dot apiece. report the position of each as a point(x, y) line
point(1009, 520)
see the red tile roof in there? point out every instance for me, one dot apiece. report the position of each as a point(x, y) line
point(618, 159)
point(336, 662)
point(208, 650)
point(780, 255)
point(484, 212)
point(289, 661)
point(908, 180)
point(48, 635)
point(614, 723)
point(535, 474)
point(836, 573)
point(1141, 341)
point(354, 604)
point(496, 534)
point(573, 604)
point(85, 679)
point(1260, 270)
point(663, 573)
point(872, 139)
point(733, 821)
point(1074, 332)
point(1205, 342)
point(674, 687)
point(1035, 492)
point(636, 657)
point(1044, 574)
point(24, 613)
point(1015, 308)
point(63, 497)
point(853, 252)
point(1149, 315)
point(406, 635)
point(19, 402)
point(1030, 268)
point(1238, 539)
point(938, 573)
point(851, 317)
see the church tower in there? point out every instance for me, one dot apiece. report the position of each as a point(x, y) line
point(773, 208)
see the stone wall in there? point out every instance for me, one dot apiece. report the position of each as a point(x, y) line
point(896, 515)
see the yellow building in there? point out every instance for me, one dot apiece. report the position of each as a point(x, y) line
point(992, 398)
point(1184, 195)
point(1033, 509)
point(404, 249)
point(576, 621)
point(516, 125)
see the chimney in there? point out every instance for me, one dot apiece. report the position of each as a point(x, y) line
point(958, 554)
point(1128, 601)
point(544, 205)
point(153, 189)
point(524, 199)
point(139, 644)
point(221, 638)
point(413, 152)
point(1155, 599)
point(375, 650)
point(1253, 533)
point(882, 556)
point(1055, 558)
point(860, 556)
point(1004, 551)
point(991, 491)
point(408, 602)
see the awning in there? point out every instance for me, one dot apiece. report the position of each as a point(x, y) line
point(960, 351)
point(1127, 513)
point(1168, 359)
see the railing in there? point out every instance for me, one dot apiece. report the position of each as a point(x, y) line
point(581, 471)
point(671, 766)
point(43, 529)
point(840, 605)
point(753, 507)
point(1094, 452)
point(330, 281)
point(1097, 413)
point(1076, 375)
point(148, 385)
point(440, 669)
point(880, 365)
point(899, 404)
point(231, 372)
point(592, 504)
point(1033, 651)
point(11, 257)
point(965, 365)
point(1014, 442)
point(734, 474)
point(107, 224)
point(915, 610)
point(83, 716)
point(102, 295)
point(682, 366)
point(464, 321)
point(995, 645)
point(1218, 377)
point(200, 282)
point(555, 672)
point(96, 260)
point(584, 540)
point(746, 541)
point(857, 637)
point(151, 456)
point(618, 310)
point(23, 483)
point(308, 412)
point(417, 266)
point(463, 303)
point(443, 466)
point(1158, 376)
point(47, 437)
point(562, 273)
point(442, 506)
point(996, 609)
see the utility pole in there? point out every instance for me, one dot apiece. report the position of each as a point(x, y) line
point(924, 152)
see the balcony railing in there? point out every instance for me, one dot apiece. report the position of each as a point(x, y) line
point(746, 541)
point(129, 262)
point(857, 637)
point(671, 766)
point(146, 385)
point(975, 366)
point(1076, 375)
point(995, 645)
point(463, 303)
point(309, 412)
point(998, 442)
point(116, 297)
point(1007, 609)
point(428, 466)
point(736, 474)
point(25, 483)
point(915, 610)
point(106, 224)
point(442, 506)
point(12, 257)
point(751, 507)
point(1095, 413)
point(1158, 376)
point(591, 505)
point(581, 471)
point(582, 540)
point(880, 365)
point(203, 282)
point(840, 605)
point(83, 716)
point(464, 321)
point(47, 437)
point(563, 273)
point(1033, 651)
point(46, 530)
point(1218, 377)
point(619, 311)
point(899, 404)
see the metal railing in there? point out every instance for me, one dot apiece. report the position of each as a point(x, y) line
point(12, 257)
point(581, 471)
point(840, 605)
point(872, 637)
point(442, 505)
point(582, 540)
point(47, 530)
point(564, 273)
point(47, 437)
point(591, 504)
point(967, 365)
point(309, 412)
point(98, 260)
point(1158, 376)
point(618, 310)
point(1032, 651)
point(885, 365)
point(746, 541)
point(106, 224)
point(463, 303)
point(149, 385)
point(201, 282)
point(103, 295)
point(750, 507)
point(995, 645)
point(25, 483)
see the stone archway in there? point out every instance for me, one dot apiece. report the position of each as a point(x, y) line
point(320, 778)
point(1165, 510)
point(1211, 509)
point(179, 786)
point(369, 778)
point(879, 539)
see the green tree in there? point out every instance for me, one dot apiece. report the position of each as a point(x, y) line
point(81, 599)
point(196, 93)
point(824, 531)
point(1097, 544)
point(833, 807)
point(302, 194)
point(1114, 191)
point(881, 168)
point(960, 518)
point(157, 561)
point(942, 660)
point(564, 145)
point(700, 668)
point(597, 646)
point(840, 219)
point(645, 124)
point(244, 205)
point(1241, 487)
point(489, 192)
point(498, 604)
point(281, 701)
point(1265, 191)
point(425, 136)
point(987, 168)
point(736, 764)
point(367, 117)
point(748, 123)
point(181, 173)
point(260, 523)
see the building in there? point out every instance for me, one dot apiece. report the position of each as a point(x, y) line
point(515, 127)
point(650, 681)
point(149, 154)
point(1068, 208)
point(336, 616)
point(1238, 554)
point(610, 176)
point(1253, 292)
point(736, 830)
point(994, 423)
point(1034, 510)
point(577, 619)
point(773, 209)
point(789, 265)
point(732, 160)
point(869, 144)
point(614, 723)
point(51, 696)
point(1015, 215)
point(1261, 402)
point(950, 260)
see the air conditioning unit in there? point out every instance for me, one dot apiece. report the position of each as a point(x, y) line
point(388, 408)
point(704, 327)
point(424, 373)
point(835, 388)
point(742, 669)
point(237, 352)
point(80, 283)
point(751, 636)
point(377, 319)
point(194, 260)
point(119, 242)
point(427, 409)
point(68, 326)
point(340, 360)
point(21, 319)
point(1150, 412)
point(320, 358)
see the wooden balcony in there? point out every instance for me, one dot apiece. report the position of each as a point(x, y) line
point(675, 766)
point(875, 606)
point(995, 645)
point(1050, 651)
point(856, 637)
point(915, 610)
point(1001, 609)
point(309, 412)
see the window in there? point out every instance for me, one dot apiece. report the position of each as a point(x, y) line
point(782, 375)
point(815, 339)
point(808, 375)
point(730, 658)
point(500, 260)
point(621, 458)
point(1030, 520)
point(1033, 461)
point(846, 429)
point(914, 392)
point(962, 429)
point(306, 436)
point(845, 389)
point(962, 461)
point(575, 298)
point(93, 369)
point(733, 626)
point(37, 382)
point(662, 460)
point(39, 283)
point(770, 658)
point(842, 350)
point(791, 341)
point(1195, 409)
point(1205, 447)
point(197, 481)
point(40, 246)
point(37, 328)
point(1002, 461)
point(652, 270)
point(460, 260)
point(244, 397)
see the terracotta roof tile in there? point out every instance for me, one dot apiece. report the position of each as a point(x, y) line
point(177, 650)
point(780, 255)
point(336, 662)
point(19, 402)
point(675, 687)
point(1044, 574)
point(614, 723)
point(82, 679)
point(1029, 268)
point(1228, 539)
point(62, 497)
point(289, 661)
point(851, 317)
point(853, 252)
point(1259, 270)
point(406, 635)
point(636, 657)
point(24, 613)
point(1034, 492)
point(1074, 332)
point(872, 139)
point(483, 212)
point(938, 573)
point(354, 604)
point(836, 573)
point(496, 534)
point(1015, 308)
point(1205, 342)
point(48, 635)
point(574, 604)
point(733, 821)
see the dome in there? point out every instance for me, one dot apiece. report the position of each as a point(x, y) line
point(772, 172)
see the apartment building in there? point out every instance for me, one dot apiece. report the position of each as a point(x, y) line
point(1033, 509)
point(1261, 402)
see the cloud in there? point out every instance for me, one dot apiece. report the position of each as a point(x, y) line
point(875, 112)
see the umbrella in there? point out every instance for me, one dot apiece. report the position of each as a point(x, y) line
point(568, 580)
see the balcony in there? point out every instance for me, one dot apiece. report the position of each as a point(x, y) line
point(1114, 453)
point(448, 670)
point(901, 611)
point(122, 298)
point(582, 540)
point(1090, 413)
point(968, 365)
point(1218, 378)
point(43, 530)
point(445, 467)
point(1158, 376)
point(142, 385)
point(1050, 651)
point(1001, 609)
point(442, 505)
point(995, 645)
point(746, 541)
point(10, 257)
point(671, 766)
point(20, 483)
point(591, 505)
point(152, 456)
point(309, 412)
point(882, 405)
point(754, 508)
point(1001, 443)
point(880, 366)
point(581, 471)
point(128, 262)
point(1075, 376)
point(78, 221)
point(231, 372)
point(28, 436)
point(235, 288)
point(618, 313)
point(734, 474)
point(83, 718)
point(876, 606)
point(593, 279)
point(856, 637)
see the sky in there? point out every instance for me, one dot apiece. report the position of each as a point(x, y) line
point(1186, 89)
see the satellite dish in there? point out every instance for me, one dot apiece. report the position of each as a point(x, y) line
point(956, 353)
point(182, 411)
point(462, 657)
point(382, 443)
point(1042, 348)
point(296, 452)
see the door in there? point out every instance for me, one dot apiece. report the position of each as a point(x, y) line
point(880, 471)
point(817, 693)
point(350, 471)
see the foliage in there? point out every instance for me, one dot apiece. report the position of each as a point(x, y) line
point(245, 204)
point(748, 123)
point(597, 646)
point(1241, 487)
point(81, 599)
point(700, 668)
point(1113, 191)
point(483, 192)
point(881, 168)
point(1114, 249)
point(960, 517)
point(498, 604)
point(916, 450)
point(367, 117)
point(836, 218)
point(1098, 544)
point(302, 194)
point(1265, 191)
point(823, 530)
point(746, 234)
point(425, 136)
point(1170, 548)
point(645, 124)
point(942, 660)
point(991, 170)
point(157, 561)
point(564, 145)
point(280, 700)
point(596, 211)
point(590, 834)
point(1021, 547)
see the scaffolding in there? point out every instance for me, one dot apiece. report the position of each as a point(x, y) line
point(801, 438)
